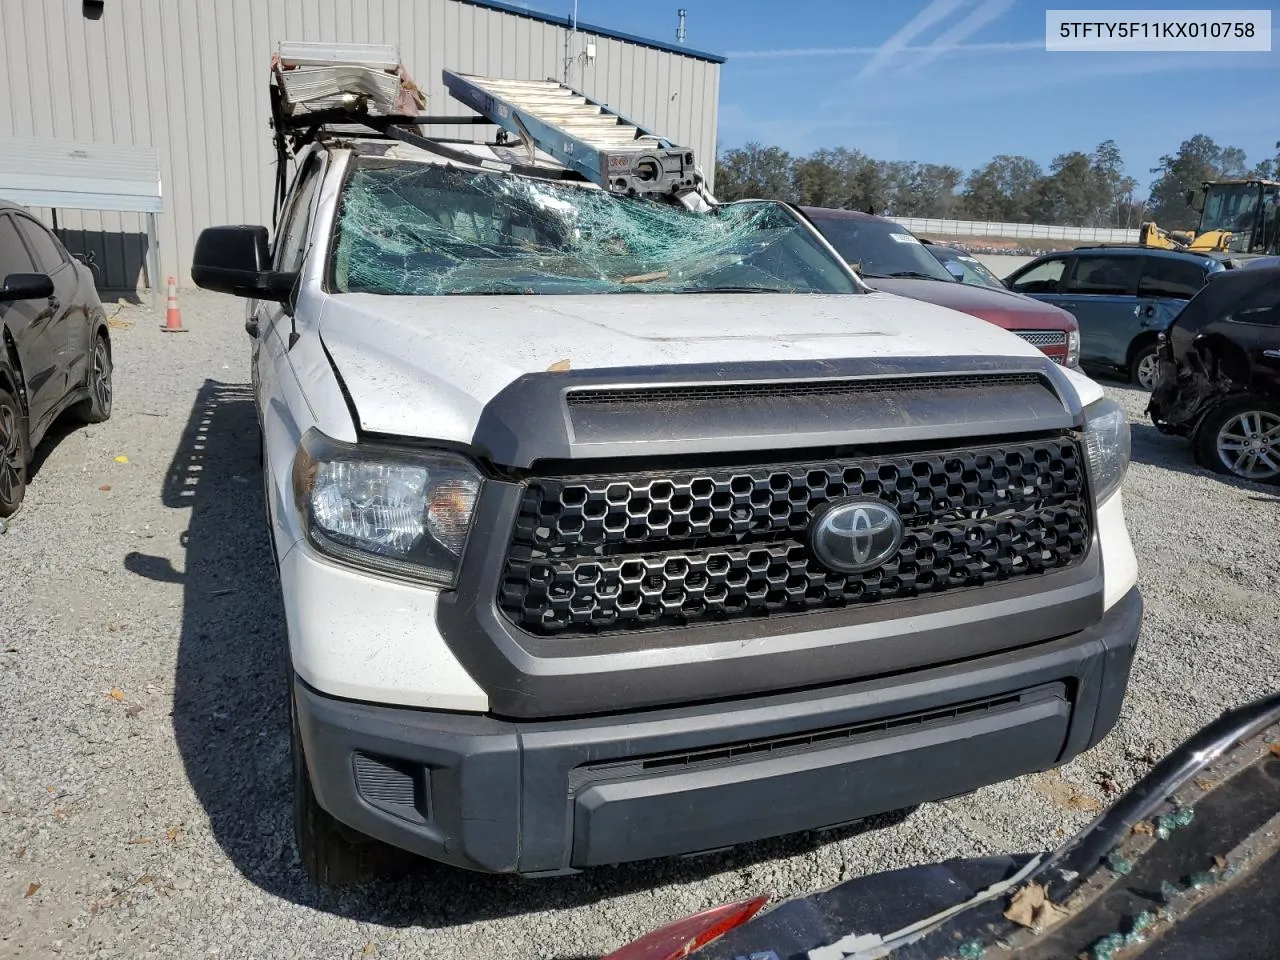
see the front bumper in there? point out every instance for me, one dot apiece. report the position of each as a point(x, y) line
point(553, 796)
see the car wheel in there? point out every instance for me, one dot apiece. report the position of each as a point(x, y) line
point(332, 854)
point(1242, 438)
point(15, 454)
point(97, 408)
point(1145, 368)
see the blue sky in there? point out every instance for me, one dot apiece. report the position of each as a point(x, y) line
point(958, 81)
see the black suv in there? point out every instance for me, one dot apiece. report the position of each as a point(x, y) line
point(56, 353)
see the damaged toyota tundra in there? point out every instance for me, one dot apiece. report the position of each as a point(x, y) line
point(614, 523)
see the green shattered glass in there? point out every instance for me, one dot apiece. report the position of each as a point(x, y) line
point(427, 229)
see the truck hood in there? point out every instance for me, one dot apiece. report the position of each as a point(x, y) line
point(1006, 309)
point(426, 366)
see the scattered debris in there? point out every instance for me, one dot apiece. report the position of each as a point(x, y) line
point(560, 366)
point(174, 832)
point(1145, 754)
point(116, 694)
point(1220, 862)
point(1203, 784)
point(137, 841)
point(1031, 908)
point(122, 459)
point(32, 889)
point(105, 488)
point(1119, 864)
point(1275, 749)
point(970, 951)
point(133, 709)
point(1167, 823)
point(1107, 782)
point(1145, 828)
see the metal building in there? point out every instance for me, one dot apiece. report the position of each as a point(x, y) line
point(189, 78)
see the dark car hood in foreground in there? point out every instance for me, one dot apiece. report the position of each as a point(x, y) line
point(1186, 864)
point(1001, 307)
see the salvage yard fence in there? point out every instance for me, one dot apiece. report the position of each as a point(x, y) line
point(1030, 231)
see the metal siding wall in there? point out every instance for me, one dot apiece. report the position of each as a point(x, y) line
point(189, 77)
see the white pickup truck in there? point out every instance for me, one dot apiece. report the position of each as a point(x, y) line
point(610, 530)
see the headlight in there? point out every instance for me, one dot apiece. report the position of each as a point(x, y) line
point(1106, 434)
point(1073, 348)
point(400, 511)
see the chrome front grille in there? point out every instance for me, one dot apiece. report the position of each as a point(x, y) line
point(1043, 338)
point(672, 548)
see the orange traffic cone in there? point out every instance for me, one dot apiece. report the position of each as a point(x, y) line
point(172, 315)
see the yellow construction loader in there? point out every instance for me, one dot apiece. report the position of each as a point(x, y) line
point(1236, 217)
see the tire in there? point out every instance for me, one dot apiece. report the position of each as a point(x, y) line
point(1241, 438)
point(97, 408)
point(15, 454)
point(332, 855)
point(1144, 370)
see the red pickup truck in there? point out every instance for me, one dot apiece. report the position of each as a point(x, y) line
point(888, 257)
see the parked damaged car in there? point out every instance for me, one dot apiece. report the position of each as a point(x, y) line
point(1184, 865)
point(1123, 297)
point(1220, 375)
point(888, 257)
point(964, 267)
point(55, 351)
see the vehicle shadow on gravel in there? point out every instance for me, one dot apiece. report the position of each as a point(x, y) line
point(1170, 452)
point(231, 722)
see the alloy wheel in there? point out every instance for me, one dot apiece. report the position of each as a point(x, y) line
point(10, 454)
point(1149, 371)
point(1249, 444)
point(102, 375)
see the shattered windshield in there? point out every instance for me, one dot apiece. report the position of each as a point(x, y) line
point(421, 229)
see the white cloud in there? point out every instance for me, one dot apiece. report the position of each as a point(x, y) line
point(934, 13)
point(984, 13)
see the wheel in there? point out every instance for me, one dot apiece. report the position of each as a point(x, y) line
point(1145, 368)
point(97, 407)
point(333, 855)
point(1242, 438)
point(15, 454)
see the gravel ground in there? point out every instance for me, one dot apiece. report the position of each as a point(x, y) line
point(144, 803)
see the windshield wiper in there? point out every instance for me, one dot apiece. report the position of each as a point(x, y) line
point(736, 290)
point(913, 275)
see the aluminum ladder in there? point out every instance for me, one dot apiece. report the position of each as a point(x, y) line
point(602, 146)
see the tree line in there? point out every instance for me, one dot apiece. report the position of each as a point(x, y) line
point(1078, 189)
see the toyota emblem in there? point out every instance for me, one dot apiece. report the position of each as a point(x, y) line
point(854, 536)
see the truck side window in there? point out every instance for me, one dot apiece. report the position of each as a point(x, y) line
point(1166, 277)
point(1104, 276)
point(1043, 278)
point(295, 227)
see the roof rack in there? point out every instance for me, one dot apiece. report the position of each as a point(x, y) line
point(357, 90)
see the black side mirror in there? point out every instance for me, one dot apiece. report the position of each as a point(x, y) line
point(26, 286)
point(237, 260)
point(955, 270)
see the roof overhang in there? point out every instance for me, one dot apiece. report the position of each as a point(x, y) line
point(64, 174)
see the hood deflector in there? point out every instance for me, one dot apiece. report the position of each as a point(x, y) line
point(711, 409)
